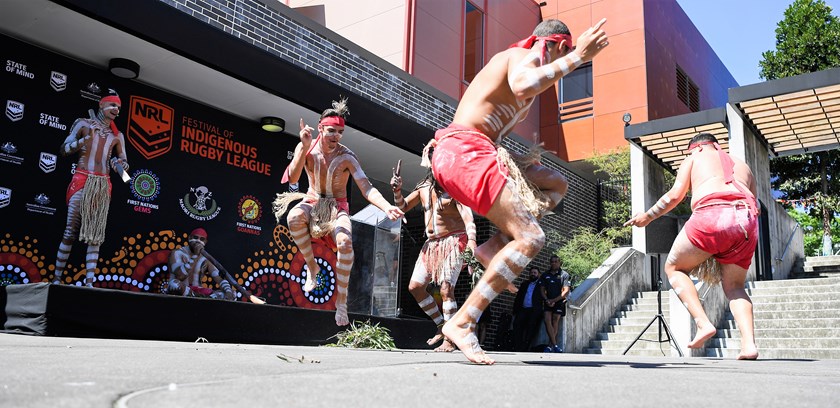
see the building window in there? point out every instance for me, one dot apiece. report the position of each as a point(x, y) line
point(687, 91)
point(574, 93)
point(473, 41)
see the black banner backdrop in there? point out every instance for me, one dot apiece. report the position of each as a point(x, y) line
point(190, 165)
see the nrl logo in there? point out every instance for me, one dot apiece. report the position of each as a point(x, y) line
point(150, 126)
point(58, 81)
point(14, 110)
point(47, 162)
point(5, 196)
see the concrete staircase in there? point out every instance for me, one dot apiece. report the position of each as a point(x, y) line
point(628, 323)
point(817, 267)
point(794, 319)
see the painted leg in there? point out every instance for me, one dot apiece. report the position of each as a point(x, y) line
point(734, 278)
point(71, 232)
point(512, 219)
point(425, 301)
point(298, 221)
point(91, 259)
point(342, 268)
point(684, 257)
point(450, 306)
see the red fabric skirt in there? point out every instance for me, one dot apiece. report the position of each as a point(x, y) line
point(465, 166)
point(724, 225)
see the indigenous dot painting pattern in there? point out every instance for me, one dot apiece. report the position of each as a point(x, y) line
point(276, 274)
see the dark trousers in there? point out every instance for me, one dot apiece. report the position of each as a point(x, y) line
point(525, 325)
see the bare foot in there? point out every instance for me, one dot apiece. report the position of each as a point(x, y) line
point(432, 341)
point(748, 353)
point(704, 332)
point(341, 315)
point(464, 338)
point(311, 280)
point(446, 347)
point(89, 282)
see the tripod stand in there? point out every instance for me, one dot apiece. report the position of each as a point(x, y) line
point(669, 337)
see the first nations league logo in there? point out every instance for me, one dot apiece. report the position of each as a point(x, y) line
point(199, 204)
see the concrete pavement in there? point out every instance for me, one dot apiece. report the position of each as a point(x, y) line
point(76, 372)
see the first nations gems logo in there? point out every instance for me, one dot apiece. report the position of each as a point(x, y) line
point(145, 187)
point(250, 211)
point(150, 126)
point(199, 204)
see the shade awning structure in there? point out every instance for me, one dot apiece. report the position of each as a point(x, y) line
point(666, 140)
point(794, 115)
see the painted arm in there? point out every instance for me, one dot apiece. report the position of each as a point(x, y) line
point(404, 204)
point(369, 192)
point(79, 134)
point(177, 266)
point(299, 158)
point(669, 200)
point(528, 79)
point(469, 224)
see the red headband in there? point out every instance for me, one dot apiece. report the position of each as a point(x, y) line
point(698, 144)
point(199, 232)
point(111, 98)
point(332, 121)
point(541, 41)
point(114, 99)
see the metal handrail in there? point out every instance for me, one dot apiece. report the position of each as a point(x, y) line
point(790, 239)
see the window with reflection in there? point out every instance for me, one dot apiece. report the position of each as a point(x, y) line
point(473, 41)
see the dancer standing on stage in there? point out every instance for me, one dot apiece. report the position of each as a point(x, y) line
point(96, 139)
point(325, 211)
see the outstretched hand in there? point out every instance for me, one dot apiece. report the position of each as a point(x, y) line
point(639, 220)
point(305, 133)
point(592, 41)
point(394, 213)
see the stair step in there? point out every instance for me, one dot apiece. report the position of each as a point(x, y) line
point(634, 329)
point(792, 314)
point(794, 283)
point(778, 343)
point(652, 307)
point(792, 290)
point(639, 314)
point(781, 305)
point(792, 353)
point(828, 258)
point(762, 297)
point(647, 344)
point(818, 323)
point(651, 334)
point(830, 332)
point(665, 351)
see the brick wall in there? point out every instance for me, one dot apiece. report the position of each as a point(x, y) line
point(281, 31)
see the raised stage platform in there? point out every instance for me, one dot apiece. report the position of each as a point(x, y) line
point(73, 311)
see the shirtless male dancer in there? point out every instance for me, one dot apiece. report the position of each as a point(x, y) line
point(324, 209)
point(89, 193)
point(723, 225)
point(470, 165)
point(449, 230)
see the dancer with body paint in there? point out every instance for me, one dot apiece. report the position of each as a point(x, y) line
point(324, 210)
point(89, 193)
point(188, 264)
point(718, 241)
point(470, 165)
point(449, 230)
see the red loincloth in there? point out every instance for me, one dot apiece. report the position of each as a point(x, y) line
point(724, 225)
